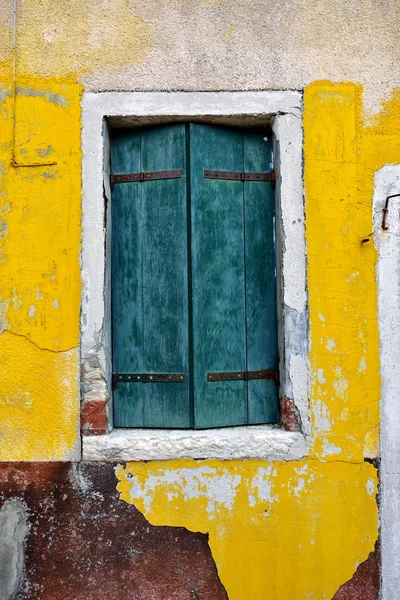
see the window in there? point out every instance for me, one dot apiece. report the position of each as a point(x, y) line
point(102, 114)
point(194, 310)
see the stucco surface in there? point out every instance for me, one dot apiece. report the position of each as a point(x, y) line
point(319, 513)
point(209, 44)
point(39, 271)
point(276, 530)
point(82, 543)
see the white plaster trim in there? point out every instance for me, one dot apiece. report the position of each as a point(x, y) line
point(292, 264)
point(387, 182)
point(285, 110)
point(252, 442)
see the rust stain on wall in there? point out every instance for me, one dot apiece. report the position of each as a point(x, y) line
point(84, 543)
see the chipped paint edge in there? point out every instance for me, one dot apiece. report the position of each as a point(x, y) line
point(95, 324)
point(387, 181)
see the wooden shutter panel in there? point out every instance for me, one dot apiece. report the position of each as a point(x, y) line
point(233, 278)
point(219, 337)
point(149, 279)
point(260, 267)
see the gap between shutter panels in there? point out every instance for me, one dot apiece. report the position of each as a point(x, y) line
point(189, 270)
point(208, 174)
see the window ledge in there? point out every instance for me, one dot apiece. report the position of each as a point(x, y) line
point(254, 442)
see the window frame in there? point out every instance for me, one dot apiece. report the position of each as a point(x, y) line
point(281, 110)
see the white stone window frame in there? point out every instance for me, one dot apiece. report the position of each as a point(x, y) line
point(281, 110)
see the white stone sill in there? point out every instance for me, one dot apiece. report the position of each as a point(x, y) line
point(253, 442)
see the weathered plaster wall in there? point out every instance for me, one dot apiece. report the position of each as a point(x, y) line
point(82, 542)
point(295, 530)
point(39, 270)
point(387, 242)
point(265, 519)
point(209, 44)
point(325, 498)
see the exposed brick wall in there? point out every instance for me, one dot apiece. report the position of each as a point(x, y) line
point(94, 418)
point(290, 415)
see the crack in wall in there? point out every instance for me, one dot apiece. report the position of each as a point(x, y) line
point(39, 346)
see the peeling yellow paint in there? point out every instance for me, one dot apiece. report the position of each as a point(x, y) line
point(341, 157)
point(276, 530)
point(39, 401)
point(40, 214)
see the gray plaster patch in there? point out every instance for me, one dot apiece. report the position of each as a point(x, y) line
point(3, 229)
point(48, 96)
point(4, 94)
point(44, 151)
point(13, 530)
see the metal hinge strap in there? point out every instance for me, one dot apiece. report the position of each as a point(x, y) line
point(145, 176)
point(240, 176)
point(244, 375)
point(147, 378)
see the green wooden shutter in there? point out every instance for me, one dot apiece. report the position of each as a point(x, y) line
point(149, 279)
point(233, 275)
point(219, 331)
point(260, 267)
point(194, 284)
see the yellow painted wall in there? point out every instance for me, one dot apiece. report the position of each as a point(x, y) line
point(284, 531)
point(40, 229)
point(277, 530)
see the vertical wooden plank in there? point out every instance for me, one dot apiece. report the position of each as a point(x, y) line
point(261, 312)
point(126, 266)
point(165, 278)
point(217, 277)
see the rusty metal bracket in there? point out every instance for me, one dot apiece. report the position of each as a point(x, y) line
point(386, 210)
point(144, 176)
point(146, 378)
point(241, 176)
point(244, 375)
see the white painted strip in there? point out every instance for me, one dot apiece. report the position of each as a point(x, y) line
point(387, 181)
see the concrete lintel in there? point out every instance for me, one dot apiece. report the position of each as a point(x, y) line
point(192, 104)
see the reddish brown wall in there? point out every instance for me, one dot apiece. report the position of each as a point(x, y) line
point(85, 543)
point(366, 581)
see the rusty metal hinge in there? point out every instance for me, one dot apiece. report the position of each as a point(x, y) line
point(244, 375)
point(144, 176)
point(241, 176)
point(146, 378)
point(386, 210)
